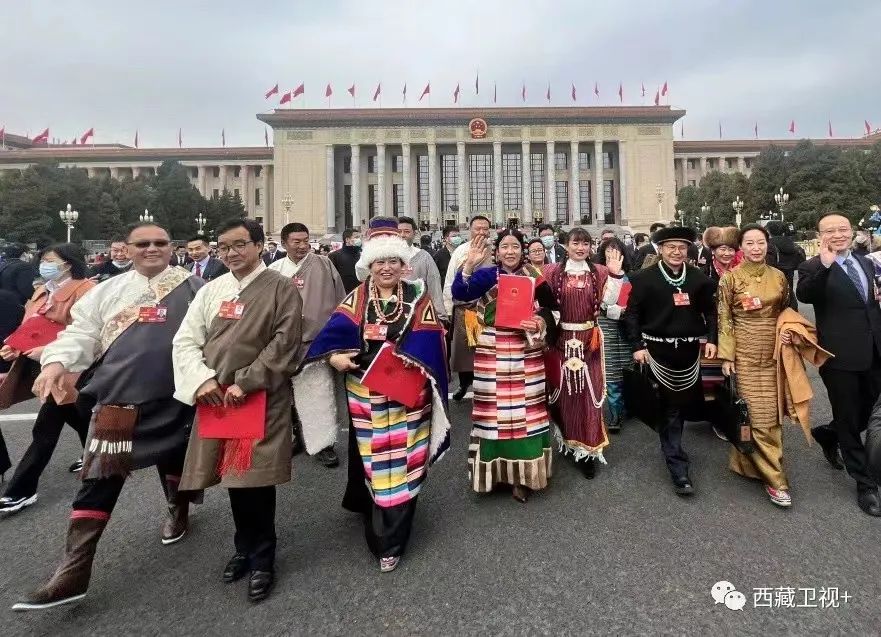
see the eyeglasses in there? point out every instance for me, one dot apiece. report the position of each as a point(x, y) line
point(143, 245)
point(669, 248)
point(237, 246)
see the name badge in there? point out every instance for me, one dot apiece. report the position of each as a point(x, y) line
point(751, 303)
point(231, 310)
point(681, 298)
point(152, 314)
point(373, 332)
point(299, 283)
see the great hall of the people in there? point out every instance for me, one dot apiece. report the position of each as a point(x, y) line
point(337, 168)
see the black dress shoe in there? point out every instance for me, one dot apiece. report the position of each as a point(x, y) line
point(588, 468)
point(328, 458)
point(828, 441)
point(683, 487)
point(460, 393)
point(235, 568)
point(615, 425)
point(259, 585)
point(869, 503)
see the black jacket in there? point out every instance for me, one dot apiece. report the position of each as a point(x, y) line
point(785, 255)
point(11, 314)
point(17, 277)
point(107, 270)
point(270, 258)
point(847, 326)
point(442, 261)
point(213, 269)
point(344, 261)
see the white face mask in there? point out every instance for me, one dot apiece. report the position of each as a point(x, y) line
point(547, 242)
point(121, 264)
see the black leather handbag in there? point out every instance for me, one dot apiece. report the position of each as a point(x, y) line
point(642, 396)
point(731, 416)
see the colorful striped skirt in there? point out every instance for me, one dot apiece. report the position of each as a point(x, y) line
point(393, 442)
point(510, 439)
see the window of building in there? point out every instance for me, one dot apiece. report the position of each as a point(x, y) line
point(449, 181)
point(609, 200)
point(347, 205)
point(561, 161)
point(256, 196)
point(347, 165)
point(423, 200)
point(692, 183)
point(398, 200)
point(258, 170)
point(711, 164)
point(215, 193)
point(397, 163)
point(372, 201)
point(584, 196)
point(194, 173)
point(730, 163)
point(607, 160)
point(480, 174)
point(236, 193)
point(216, 172)
point(237, 172)
point(371, 164)
point(692, 164)
point(583, 161)
point(561, 188)
point(537, 173)
point(512, 181)
point(748, 162)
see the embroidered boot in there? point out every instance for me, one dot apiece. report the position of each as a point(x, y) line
point(71, 580)
point(176, 523)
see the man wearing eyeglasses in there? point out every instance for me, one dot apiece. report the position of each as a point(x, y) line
point(204, 265)
point(841, 286)
point(121, 341)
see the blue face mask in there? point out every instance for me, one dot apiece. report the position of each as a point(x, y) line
point(356, 243)
point(49, 271)
point(456, 241)
point(547, 242)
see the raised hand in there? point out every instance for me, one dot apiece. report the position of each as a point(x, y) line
point(827, 254)
point(477, 254)
point(614, 260)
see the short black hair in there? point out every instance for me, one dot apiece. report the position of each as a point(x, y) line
point(447, 230)
point(614, 242)
point(200, 237)
point(255, 230)
point(640, 237)
point(408, 220)
point(73, 255)
point(478, 218)
point(545, 226)
point(510, 232)
point(607, 230)
point(291, 228)
point(117, 239)
point(657, 225)
point(425, 239)
point(348, 232)
point(142, 224)
point(775, 228)
point(14, 250)
point(831, 213)
point(752, 226)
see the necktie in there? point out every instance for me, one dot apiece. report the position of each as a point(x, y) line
point(198, 269)
point(854, 276)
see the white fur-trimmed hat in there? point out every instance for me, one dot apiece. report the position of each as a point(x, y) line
point(383, 241)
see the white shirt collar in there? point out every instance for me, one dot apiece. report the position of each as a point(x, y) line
point(243, 283)
point(576, 267)
point(204, 262)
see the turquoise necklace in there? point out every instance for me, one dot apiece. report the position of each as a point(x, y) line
point(675, 282)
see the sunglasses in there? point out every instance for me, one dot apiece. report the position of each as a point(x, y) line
point(143, 245)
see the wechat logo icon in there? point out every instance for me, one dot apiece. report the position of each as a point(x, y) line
point(724, 592)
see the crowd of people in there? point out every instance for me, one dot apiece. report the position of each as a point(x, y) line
point(281, 332)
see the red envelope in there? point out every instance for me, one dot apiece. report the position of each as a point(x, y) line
point(245, 421)
point(515, 301)
point(37, 331)
point(388, 375)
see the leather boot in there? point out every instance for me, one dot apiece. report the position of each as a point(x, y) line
point(176, 523)
point(71, 580)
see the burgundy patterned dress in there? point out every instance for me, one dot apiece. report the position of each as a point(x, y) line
point(579, 349)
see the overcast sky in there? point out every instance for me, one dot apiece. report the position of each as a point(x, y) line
point(203, 66)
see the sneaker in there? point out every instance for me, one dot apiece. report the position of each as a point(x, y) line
point(780, 497)
point(13, 505)
point(76, 467)
point(388, 564)
point(719, 434)
point(683, 488)
point(463, 393)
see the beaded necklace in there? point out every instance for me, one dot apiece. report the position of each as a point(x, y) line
point(677, 282)
point(381, 316)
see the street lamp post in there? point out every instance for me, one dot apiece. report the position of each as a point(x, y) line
point(287, 201)
point(680, 217)
point(782, 198)
point(705, 210)
point(737, 204)
point(69, 217)
point(146, 217)
point(659, 194)
point(200, 222)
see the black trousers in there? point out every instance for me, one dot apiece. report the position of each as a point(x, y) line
point(46, 433)
point(253, 512)
point(670, 434)
point(852, 395)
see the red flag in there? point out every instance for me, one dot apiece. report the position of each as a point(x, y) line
point(830, 128)
point(868, 127)
point(136, 138)
point(299, 90)
point(664, 89)
point(643, 89)
point(377, 91)
point(792, 126)
point(223, 136)
point(495, 92)
point(42, 138)
point(425, 91)
point(328, 91)
point(180, 138)
point(657, 98)
point(573, 92)
point(285, 99)
point(85, 136)
point(757, 130)
point(456, 95)
point(477, 84)
point(596, 89)
point(351, 90)
point(266, 136)
point(548, 94)
point(621, 92)
point(272, 91)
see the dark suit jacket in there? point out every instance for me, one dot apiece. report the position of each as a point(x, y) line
point(213, 269)
point(847, 326)
point(17, 277)
point(559, 253)
point(175, 261)
point(442, 261)
point(268, 258)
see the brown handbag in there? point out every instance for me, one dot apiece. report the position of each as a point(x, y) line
point(16, 386)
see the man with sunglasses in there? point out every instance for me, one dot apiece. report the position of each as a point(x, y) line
point(120, 339)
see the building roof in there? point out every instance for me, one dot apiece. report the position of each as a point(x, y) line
point(460, 116)
point(113, 154)
point(16, 141)
point(715, 146)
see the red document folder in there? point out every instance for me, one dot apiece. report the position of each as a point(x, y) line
point(624, 294)
point(37, 331)
point(388, 375)
point(516, 300)
point(246, 421)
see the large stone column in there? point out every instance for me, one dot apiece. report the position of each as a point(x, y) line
point(462, 183)
point(703, 169)
point(330, 190)
point(224, 179)
point(247, 200)
point(574, 190)
point(433, 191)
point(599, 208)
point(409, 210)
point(526, 172)
point(356, 186)
point(268, 175)
point(380, 179)
point(551, 187)
point(498, 200)
point(203, 181)
point(622, 183)
point(741, 165)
